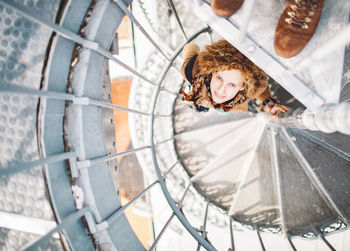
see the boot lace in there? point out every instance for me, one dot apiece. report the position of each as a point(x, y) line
point(301, 12)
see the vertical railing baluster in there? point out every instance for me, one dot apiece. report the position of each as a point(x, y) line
point(122, 209)
point(204, 234)
point(133, 39)
point(19, 90)
point(105, 158)
point(231, 235)
point(205, 221)
point(138, 25)
point(69, 220)
point(104, 104)
point(119, 211)
point(12, 169)
point(198, 247)
point(170, 169)
point(169, 220)
point(171, 3)
point(324, 239)
point(161, 232)
point(183, 196)
point(291, 242)
point(260, 239)
point(75, 99)
point(164, 141)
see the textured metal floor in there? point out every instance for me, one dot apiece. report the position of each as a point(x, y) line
point(22, 51)
point(30, 131)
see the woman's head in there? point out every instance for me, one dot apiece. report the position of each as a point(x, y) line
point(230, 71)
point(224, 85)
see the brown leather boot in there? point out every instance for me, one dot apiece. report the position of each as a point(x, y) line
point(296, 26)
point(225, 8)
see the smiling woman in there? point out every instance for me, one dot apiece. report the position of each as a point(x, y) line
point(222, 78)
point(224, 85)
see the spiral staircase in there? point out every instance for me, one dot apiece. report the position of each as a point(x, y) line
point(221, 177)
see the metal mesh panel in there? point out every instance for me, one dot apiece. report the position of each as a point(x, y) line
point(22, 51)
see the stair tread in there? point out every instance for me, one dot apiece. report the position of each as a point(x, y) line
point(187, 119)
point(257, 200)
point(302, 204)
point(336, 141)
point(331, 170)
point(218, 180)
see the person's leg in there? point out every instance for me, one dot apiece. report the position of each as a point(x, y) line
point(226, 8)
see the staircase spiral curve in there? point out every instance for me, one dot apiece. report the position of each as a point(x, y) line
point(236, 172)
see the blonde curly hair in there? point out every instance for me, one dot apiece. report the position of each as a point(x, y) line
point(222, 56)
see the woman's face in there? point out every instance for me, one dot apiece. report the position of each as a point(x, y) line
point(224, 85)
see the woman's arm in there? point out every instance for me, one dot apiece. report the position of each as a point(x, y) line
point(269, 104)
point(190, 50)
point(263, 91)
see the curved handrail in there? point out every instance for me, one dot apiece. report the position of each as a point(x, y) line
point(166, 193)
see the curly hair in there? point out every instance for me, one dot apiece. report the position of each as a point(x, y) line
point(222, 56)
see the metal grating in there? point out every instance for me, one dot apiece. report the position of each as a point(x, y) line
point(22, 52)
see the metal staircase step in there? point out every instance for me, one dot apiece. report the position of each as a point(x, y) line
point(331, 169)
point(256, 202)
point(219, 179)
point(334, 142)
point(187, 119)
point(198, 148)
point(304, 206)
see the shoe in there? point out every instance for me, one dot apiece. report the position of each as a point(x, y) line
point(225, 8)
point(296, 26)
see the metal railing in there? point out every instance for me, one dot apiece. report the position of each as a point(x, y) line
point(328, 119)
point(76, 165)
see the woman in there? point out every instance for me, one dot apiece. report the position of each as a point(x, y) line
point(222, 78)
